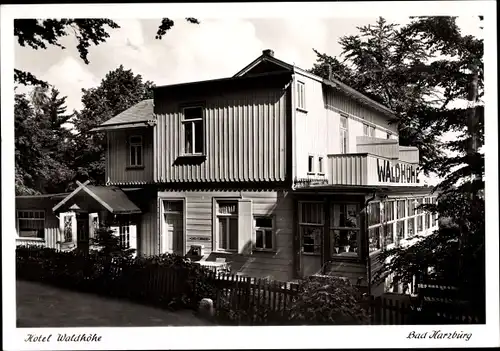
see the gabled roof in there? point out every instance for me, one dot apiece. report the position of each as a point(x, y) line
point(267, 57)
point(139, 115)
point(111, 198)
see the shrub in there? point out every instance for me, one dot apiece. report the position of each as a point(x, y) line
point(327, 301)
point(115, 272)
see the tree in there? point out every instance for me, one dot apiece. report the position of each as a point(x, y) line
point(118, 91)
point(456, 251)
point(390, 65)
point(41, 141)
point(38, 34)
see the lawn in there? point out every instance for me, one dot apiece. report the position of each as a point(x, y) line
point(44, 306)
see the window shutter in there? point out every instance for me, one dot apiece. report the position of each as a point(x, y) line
point(133, 237)
point(62, 218)
point(245, 226)
point(93, 224)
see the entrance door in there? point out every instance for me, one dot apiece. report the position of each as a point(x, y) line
point(311, 226)
point(173, 227)
point(82, 231)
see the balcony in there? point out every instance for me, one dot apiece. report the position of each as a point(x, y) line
point(377, 162)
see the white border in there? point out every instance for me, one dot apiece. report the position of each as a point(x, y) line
point(241, 337)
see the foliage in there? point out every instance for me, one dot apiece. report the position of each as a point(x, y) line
point(119, 90)
point(456, 252)
point(39, 34)
point(107, 243)
point(122, 276)
point(330, 301)
point(41, 142)
point(416, 70)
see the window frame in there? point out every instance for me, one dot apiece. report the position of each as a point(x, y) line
point(192, 121)
point(332, 228)
point(368, 130)
point(302, 224)
point(256, 228)
point(344, 134)
point(133, 146)
point(301, 95)
point(310, 164)
point(226, 217)
point(321, 170)
point(36, 238)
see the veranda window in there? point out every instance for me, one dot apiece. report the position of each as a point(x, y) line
point(31, 224)
point(311, 224)
point(420, 216)
point(344, 229)
point(389, 221)
point(374, 239)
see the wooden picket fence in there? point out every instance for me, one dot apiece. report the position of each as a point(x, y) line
point(247, 300)
point(386, 311)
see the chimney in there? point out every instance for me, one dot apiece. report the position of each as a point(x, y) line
point(330, 73)
point(268, 52)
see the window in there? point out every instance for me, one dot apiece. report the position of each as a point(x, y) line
point(381, 225)
point(388, 135)
point(311, 223)
point(192, 125)
point(368, 130)
point(31, 224)
point(135, 144)
point(411, 220)
point(320, 164)
point(434, 215)
point(227, 225)
point(420, 226)
point(310, 164)
point(301, 95)
point(343, 135)
point(344, 229)
point(389, 220)
point(264, 237)
point(427, 215)
point(374, 242)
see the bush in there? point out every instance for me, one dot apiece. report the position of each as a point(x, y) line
point(327, 301)
point(115, 272)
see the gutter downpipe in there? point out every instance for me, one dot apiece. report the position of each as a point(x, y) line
point(367, 243)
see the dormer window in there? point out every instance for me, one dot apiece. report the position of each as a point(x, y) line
point(135, 151)
point(192, 125)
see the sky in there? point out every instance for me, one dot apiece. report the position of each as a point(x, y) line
point(215, 48)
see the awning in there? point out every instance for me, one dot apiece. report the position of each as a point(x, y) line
point(363, 189)
point(110, 197)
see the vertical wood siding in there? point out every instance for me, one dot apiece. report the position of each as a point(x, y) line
point(244, 139)
point(118, 161)
point(51, 221)
point(199, 216)
point(347, 169)
point(379, 147)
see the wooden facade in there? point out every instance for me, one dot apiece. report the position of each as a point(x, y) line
point(200, 216)
point(244, 132)
point(118, 167)
point(50, 225)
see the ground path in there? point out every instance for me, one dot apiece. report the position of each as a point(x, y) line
point(44, 306)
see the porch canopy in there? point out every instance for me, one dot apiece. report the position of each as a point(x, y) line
point(361, 189)
point(91, 198)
